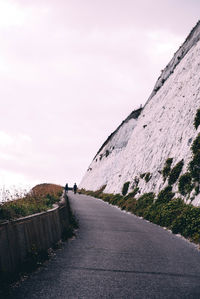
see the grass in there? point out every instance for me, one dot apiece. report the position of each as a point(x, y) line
point(40, 198)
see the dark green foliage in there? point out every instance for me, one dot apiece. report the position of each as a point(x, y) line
point(171, 211)
point(130, 205)
point(194, 167)
point(165, 195)
point(147, 177)
point(114, 199)
point(197, 189)
point(143, 203)
point(142, 175)
point(132, 194)
point(107, 153)
point(188, 223)
point(167, 168)
point(125, 188)
point(175, 172)
point(185, 185)
point(197, 119)
point(196, 145)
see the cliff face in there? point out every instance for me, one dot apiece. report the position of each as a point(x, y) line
point(137, 151)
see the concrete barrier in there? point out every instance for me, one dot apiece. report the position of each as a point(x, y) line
point(34, 233)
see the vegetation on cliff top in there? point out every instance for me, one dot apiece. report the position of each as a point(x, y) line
point(40, 198)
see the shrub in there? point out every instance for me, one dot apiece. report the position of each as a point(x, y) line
point(165, 195)
point(197, 189)
point(196, 145)
point(197, 119)
point(132, 194)
point(125, 188)
point(175, 172)
point(167, 168)
point(115, 199)
point(144, 202)
point(194, 167)
point(147, 177)
point(188, 223)
point(142, 175)
point(130, 205)
point(107, 153)
point(185, 185)
point(171, 211)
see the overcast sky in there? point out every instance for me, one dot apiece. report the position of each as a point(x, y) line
point(71, 71)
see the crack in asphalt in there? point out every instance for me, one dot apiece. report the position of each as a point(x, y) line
point(196, 276)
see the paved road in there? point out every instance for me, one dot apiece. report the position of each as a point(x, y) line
point(116, 255)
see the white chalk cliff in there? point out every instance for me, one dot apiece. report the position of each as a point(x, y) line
point(163, 129)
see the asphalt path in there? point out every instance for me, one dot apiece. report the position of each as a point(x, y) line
point(116, 255)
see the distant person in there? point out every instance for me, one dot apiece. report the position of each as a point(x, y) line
point(75, 188)
point(66, 188)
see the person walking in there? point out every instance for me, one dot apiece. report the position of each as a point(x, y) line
point(66, 188)
point(75, 188)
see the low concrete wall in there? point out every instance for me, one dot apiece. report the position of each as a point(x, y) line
point(39, 231)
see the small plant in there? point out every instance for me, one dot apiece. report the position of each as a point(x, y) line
point(167, 168)
point(196, 145)
point(147, 177)
point(175, 172)
point(197, 189)
point(142, 175)
point(197, 119)
point(135, 182)
point(125, 188)
point(185, 185)
point(107, 153)
point(194, 167)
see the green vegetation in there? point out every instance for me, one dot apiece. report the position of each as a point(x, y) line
point(164, 210)
point(165, 195)
point(175, 172)
point(147, 177)
point(197, 119)
point(194, 165)
point(142, 175)
point(107, 153)
point(41, 198)
point(167, 168)
point(185, 185)
point(125, 188)
point(196, 145)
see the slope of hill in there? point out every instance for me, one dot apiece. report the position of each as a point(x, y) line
point(138, 150)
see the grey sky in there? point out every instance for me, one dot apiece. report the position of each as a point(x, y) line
point(71, 71)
